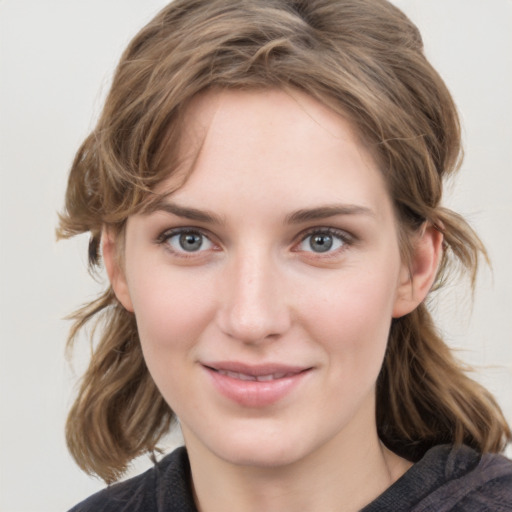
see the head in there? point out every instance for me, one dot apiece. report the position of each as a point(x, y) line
point(363, 61)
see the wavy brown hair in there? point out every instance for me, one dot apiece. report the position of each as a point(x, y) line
point(362, 58)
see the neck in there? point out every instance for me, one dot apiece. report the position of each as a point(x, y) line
point(341, 476)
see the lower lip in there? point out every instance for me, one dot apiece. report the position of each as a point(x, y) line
point(250, 393)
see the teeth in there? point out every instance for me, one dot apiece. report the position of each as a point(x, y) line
point(242, 376)
point(263, 378)
point(259, 378)
point(273, 376)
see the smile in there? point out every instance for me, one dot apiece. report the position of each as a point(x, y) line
point(259, 378)
point(255, 386)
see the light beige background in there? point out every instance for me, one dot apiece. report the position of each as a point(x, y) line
point(56, 59)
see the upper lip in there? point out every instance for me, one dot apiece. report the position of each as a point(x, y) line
point(255, 370)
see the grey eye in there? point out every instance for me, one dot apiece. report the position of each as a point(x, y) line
point(189, 241)
point(321, 242)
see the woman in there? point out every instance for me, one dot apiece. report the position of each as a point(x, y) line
point(264, 185)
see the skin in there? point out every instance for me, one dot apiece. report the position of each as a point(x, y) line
point(254, 286)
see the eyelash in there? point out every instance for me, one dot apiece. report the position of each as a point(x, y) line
point(166, 236)
point(345, 238)
point(342, 236)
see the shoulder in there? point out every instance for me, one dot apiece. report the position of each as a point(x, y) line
point(451, 479)
point(488, 486)
point(167, 484)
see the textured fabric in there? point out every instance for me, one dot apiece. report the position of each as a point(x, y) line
point(163, 488)
point(445, 479)
point(451, 479)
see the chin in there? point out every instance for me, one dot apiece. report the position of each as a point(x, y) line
point(265, 447)
point(263, 455)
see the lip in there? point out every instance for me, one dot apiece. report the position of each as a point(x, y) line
point(255, 385)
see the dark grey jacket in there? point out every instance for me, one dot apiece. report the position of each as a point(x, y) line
point(445, 479)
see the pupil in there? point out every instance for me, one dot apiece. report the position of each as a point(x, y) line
point(190, 242)
point(321, 243)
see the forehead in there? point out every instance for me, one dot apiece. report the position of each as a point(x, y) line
point(271, 144)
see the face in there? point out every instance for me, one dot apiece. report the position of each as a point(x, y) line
point(264, 287)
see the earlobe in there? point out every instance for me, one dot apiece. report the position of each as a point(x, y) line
point(115, 272)
point(417, 279)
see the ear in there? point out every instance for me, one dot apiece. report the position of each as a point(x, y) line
point(417, 278)
point(115, 271)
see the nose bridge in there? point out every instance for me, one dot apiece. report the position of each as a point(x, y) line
point(254, 306)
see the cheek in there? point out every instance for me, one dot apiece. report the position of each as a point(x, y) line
point(171, 311)
point(351, 317)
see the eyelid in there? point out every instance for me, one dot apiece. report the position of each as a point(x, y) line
point(347, 239)
point(167, 234)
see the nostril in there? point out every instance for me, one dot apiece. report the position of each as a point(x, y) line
point(255, 329)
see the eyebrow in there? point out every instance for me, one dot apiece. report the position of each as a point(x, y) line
point(297, 217)
point(185, 212)
point(324, 212)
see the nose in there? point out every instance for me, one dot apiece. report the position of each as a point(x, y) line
point(254, 306)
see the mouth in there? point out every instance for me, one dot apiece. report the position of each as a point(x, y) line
point(260, 373)
point(255, 385)
point(249, 377)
